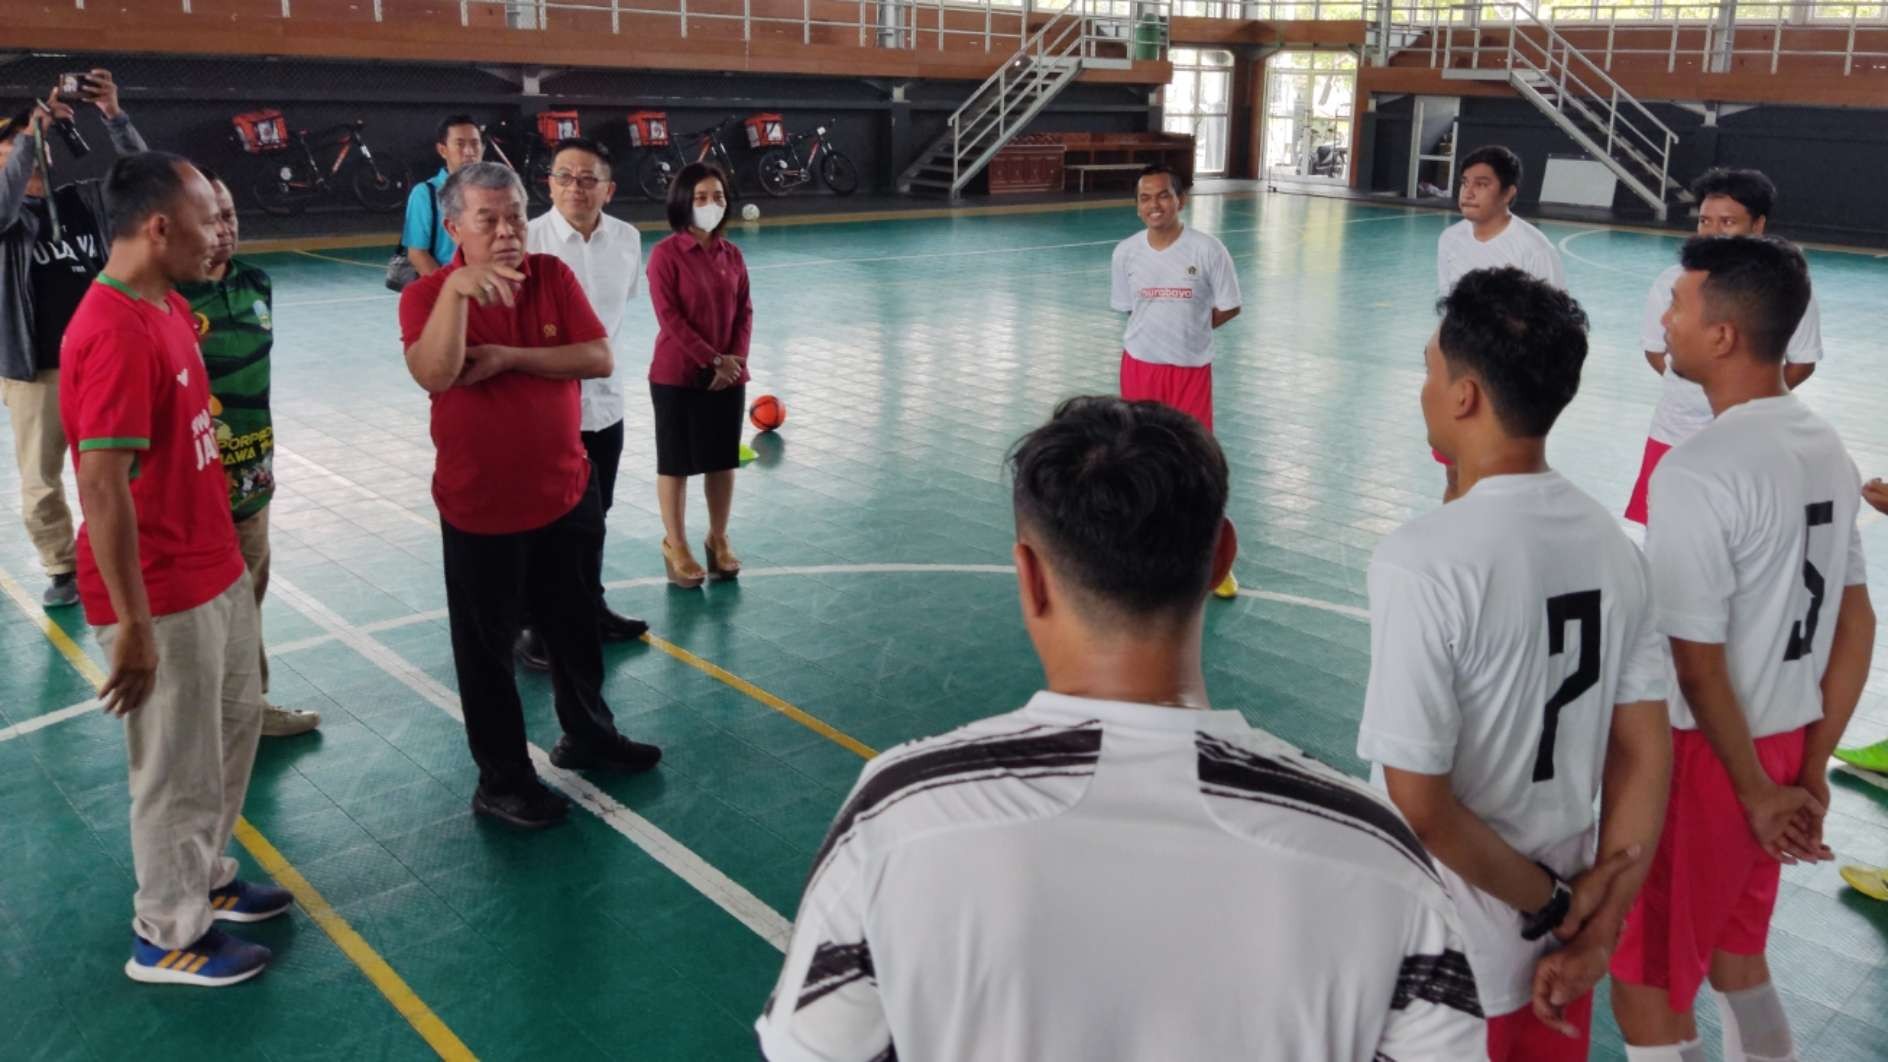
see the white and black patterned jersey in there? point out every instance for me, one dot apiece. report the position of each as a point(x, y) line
point(1093, 880)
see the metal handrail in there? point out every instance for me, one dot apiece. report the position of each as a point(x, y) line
point(1717, 47)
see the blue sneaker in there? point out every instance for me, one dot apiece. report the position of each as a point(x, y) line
point(215, 960)
point(243, 901)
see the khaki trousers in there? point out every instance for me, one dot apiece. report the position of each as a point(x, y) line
point(39, 445)
point(252, 535)
point(191, 748)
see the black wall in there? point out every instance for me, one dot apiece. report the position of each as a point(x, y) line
point(185, 105)
point(1827, 162)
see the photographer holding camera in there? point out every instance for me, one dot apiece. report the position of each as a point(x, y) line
point(53, 242)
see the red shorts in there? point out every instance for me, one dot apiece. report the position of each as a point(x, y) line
point(1636, 508)
point(1711, 887)
point(1521, 1037)
point(1188, 389)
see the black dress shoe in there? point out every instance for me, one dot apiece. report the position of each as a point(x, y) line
point(530, 651)
point(617, 628)
point(531, 808)
point(620, 754)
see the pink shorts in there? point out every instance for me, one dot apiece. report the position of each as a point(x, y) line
point(1521, 1037)
point(1188, 389)
point(1636, 510)
point(1712, 887)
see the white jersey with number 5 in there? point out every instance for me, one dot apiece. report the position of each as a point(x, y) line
point(1504, 629)
point(1755, 542)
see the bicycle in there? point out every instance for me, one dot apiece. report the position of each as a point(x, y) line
point(299, 178)
point(783, 169)
point(657, 167)
point(535, 157)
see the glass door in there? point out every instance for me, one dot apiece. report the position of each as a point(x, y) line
point(1307, 116)
point(1197, 102)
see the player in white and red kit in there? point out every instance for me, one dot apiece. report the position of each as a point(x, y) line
point(1730, 203)
point(1177, 286)
point(1757, 579)
point(1516, 705)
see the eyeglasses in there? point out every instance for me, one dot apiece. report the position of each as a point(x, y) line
point(565, 180)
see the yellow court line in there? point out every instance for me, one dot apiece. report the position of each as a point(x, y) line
point(382, 266)
point(805, 719)
point(407, 1002)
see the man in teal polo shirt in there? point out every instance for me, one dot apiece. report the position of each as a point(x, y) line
point(428, 245)
point(236, 332)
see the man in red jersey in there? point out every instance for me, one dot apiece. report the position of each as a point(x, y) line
point(161, 577)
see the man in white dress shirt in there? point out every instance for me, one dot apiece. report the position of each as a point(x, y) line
point(606, 255)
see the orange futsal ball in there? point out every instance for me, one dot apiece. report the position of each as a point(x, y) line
point(767, 413)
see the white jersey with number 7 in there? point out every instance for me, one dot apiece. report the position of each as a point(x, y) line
point(1504, 629)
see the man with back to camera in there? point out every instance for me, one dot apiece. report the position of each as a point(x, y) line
point(606, 255)
point(1116, 871)
point(429, 246)
point(1490, 236)
point(162, 579)
point(1178, 286)
point(51, 246)
point(1758, 580)
point(1516, 705)
point(236, 335)
point(1730, 203)
point(499, 339)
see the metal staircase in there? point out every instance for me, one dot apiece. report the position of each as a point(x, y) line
point(1079, 36)
point(1575, 94)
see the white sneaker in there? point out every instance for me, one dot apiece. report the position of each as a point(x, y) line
point(282, 722)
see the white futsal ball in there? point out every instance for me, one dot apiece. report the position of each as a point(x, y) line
point(750, 212)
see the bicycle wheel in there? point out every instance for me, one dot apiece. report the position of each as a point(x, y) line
point(776, 173)
point(281, 189)
point(654, 171)
point(377, 191)
point(840, 174)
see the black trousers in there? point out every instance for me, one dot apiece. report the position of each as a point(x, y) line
point(492, 582)
point(605, 448)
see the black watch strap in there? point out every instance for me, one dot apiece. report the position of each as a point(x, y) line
point(1537, 924)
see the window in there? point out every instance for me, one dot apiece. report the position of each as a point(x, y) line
point(1197, 102)
point(1307, 115)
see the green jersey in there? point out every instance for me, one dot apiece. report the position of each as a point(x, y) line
point(236, 331)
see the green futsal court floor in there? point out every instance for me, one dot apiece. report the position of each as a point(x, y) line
point(876, 607)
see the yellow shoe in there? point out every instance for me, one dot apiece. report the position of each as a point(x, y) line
point(1228, 589)
point(1869, 881)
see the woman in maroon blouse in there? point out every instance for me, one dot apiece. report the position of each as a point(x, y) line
point(698, 378)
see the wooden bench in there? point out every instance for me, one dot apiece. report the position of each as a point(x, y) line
point(1082, 170)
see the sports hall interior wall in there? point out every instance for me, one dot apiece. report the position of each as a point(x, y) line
point(1827, 162)
point(184, 104)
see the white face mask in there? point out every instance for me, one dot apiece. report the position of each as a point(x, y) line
point(708, 215)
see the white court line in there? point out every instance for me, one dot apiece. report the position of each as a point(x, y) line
point(379, 626)
point(1565, 240)
point(725, 893)
point(41, 722)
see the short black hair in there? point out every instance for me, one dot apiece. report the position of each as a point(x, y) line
point(1126, 499)
point(209, 174)
point(682, 194)
point(142, 185)
point(1749, 188)
point(441, 134)
point(1505, 163)
point(1760, 283)
point(585, 144)
point(1181, 185)
point(1522, 337)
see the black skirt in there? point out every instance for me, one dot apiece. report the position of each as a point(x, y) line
point(697, 431)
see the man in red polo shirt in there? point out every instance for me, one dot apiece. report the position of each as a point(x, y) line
point(161, 577)
point(500, 339)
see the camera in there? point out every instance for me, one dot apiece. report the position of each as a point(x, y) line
point(76, 86)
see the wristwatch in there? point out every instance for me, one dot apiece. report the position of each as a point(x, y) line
point(1537, 924)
